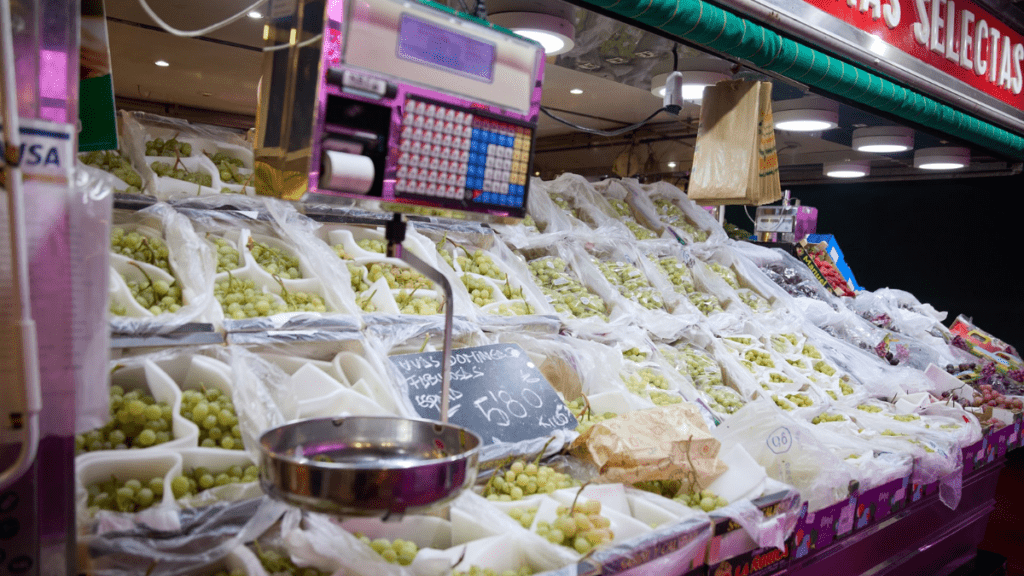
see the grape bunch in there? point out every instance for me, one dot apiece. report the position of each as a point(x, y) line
point(706, 500)
point(530, 224)
point(824, 367)
point(992, 397)
point(522, 479)
point(793, 401)
point(678, 274)
point(649, 383)
point(373, 245)
point(157, 297)
point(242, 299)
point(585, 417)
point(905, 417)
point(478, 571)
point(565, 293)
point(701, 368)
point(631, 283)
point(175, 171)
point(479, 290)
point(621, 207)
point(227, 255)
point(514, 308)
point(357, 275)
point(395, 551)
point(202, 478)
point(112, 161)
point(582, 528)
point(777, 378)
point(625, 214)
point(634, 354)
point(302, 301)
point(409, 303)
point(277, 564)
point(524, 516)
point(274, 260)
point(724, 399)
point(756, 302)
point(397, 276)
point(339, 249)
point(706, 303)
point(726, 273)
point(140, 247)
point(664, 488)
point(759, 357)
point(137, 420)
point(870, 408)
point(214, 414)
point(171, 148)
point(735, 232)
point(227, 168)
point(562, 203)
point(811, 351)
point(365, 302)
point(480, 262)
point(783, 342)
point(797, 363)
point(828, 417)
point(671, 214)
point(129, 496)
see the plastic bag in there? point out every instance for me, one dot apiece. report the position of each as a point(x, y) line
point(674, 209)
point(621, 207)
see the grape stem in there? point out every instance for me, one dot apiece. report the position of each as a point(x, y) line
point(426, 340)
point(149, 281)
point(543, 450)
point(692, 472)
point(572, 508)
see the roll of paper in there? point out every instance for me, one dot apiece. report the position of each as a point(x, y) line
point(346, 172)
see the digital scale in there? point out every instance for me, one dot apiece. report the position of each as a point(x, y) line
point(397, 106)
point(786, 223)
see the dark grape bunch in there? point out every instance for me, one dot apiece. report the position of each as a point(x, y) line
point(129, 496)
point(172, 148)
point(112, 161)
point(137, 420)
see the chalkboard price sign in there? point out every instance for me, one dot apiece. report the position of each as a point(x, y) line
point(496, 391)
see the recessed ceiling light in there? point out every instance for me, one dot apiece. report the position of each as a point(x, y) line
point(554, 33)
point(255, 15)
point(162, 63)
point(576, 91)
point(942, 158)
point(671, 164)
point(883, 139)
point(847, 169)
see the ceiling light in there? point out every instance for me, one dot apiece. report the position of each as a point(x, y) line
point(162, 63)
point(255, 15)
point(883, 139)
point(942, 158)
point(671, 164)
point(554, 33)
point(847, 169)
point(576, 91)
point(810, 114)
point(694, 82)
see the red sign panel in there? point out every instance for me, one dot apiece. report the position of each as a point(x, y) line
point(953, 36)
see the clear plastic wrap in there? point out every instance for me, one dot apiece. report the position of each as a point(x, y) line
point(790, 451)
point(674, 209)
point(624, 210)
point(791, 275)
point(542, 217)
point(187, 266)
point(90, 215)
point(587, 211)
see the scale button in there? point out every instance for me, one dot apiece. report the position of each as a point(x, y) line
point(442, 166)
point(447, 139)
point(420, 108)
point(421, 188)
point(407, 133)
point(437, 139)
point(415, 148)
point(430, 110)
point(449, 115)
point(428, 124)
point(408, 119)
point(9, 528)
point(20, 564)
point(467, 119)
point(460, 117)
point(435, 164)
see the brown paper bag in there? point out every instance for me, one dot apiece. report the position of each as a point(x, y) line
point(735, 160)
point(666, 443)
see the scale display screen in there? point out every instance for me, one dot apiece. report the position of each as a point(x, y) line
point(420, 41)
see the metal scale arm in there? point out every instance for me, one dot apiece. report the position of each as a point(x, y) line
point(395, 234)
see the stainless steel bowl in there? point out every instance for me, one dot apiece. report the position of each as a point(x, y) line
point(368, 465)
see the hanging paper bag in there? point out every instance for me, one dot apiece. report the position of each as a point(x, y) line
point(735, 161)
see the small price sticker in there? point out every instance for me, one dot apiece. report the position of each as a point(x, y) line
point(780, 440)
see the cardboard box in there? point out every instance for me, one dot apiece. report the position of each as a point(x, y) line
point(818, 530)
point(972, 455)
point(832, 247)
point(879, 503)
point(984, 345)
point(757, 562)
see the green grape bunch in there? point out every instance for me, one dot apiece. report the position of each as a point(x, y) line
point(755, 301)
point(525, 479)
point(409, 303)
point(705, 500)
point(726, 273)
point(157, 296)
point(275, 260)
point(127, 496)
point(227, 169)
point(524, 516)
point(214, 414)
point(634, 354)
point(171, 148)
point(395, 551)
point(564, 205)
point(480, 291)
point(514, 308)
point(708, 304)
point(581, 528)
point(828, 417)
point(202, 478)
point(650, 383)
point(397, 276)
point(113, 162)
point(140, 247)
point(178, 172)
point(678, 274)
point(227, 255)
point(566, 294)
point(278, 564)
point(137, 420)
point(724, 399)
point(373, 245)
point(480, 262)
point(585, 417)
point(759, 357)
point(631, 283)
point(673, 215)
point(240, 299)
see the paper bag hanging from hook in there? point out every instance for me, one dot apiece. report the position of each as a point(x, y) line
point(735, 160)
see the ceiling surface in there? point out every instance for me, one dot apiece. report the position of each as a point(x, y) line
point(214, 79)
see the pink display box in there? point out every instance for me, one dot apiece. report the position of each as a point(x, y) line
point(880, 502)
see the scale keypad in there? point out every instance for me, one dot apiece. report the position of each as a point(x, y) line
point(449, 153)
